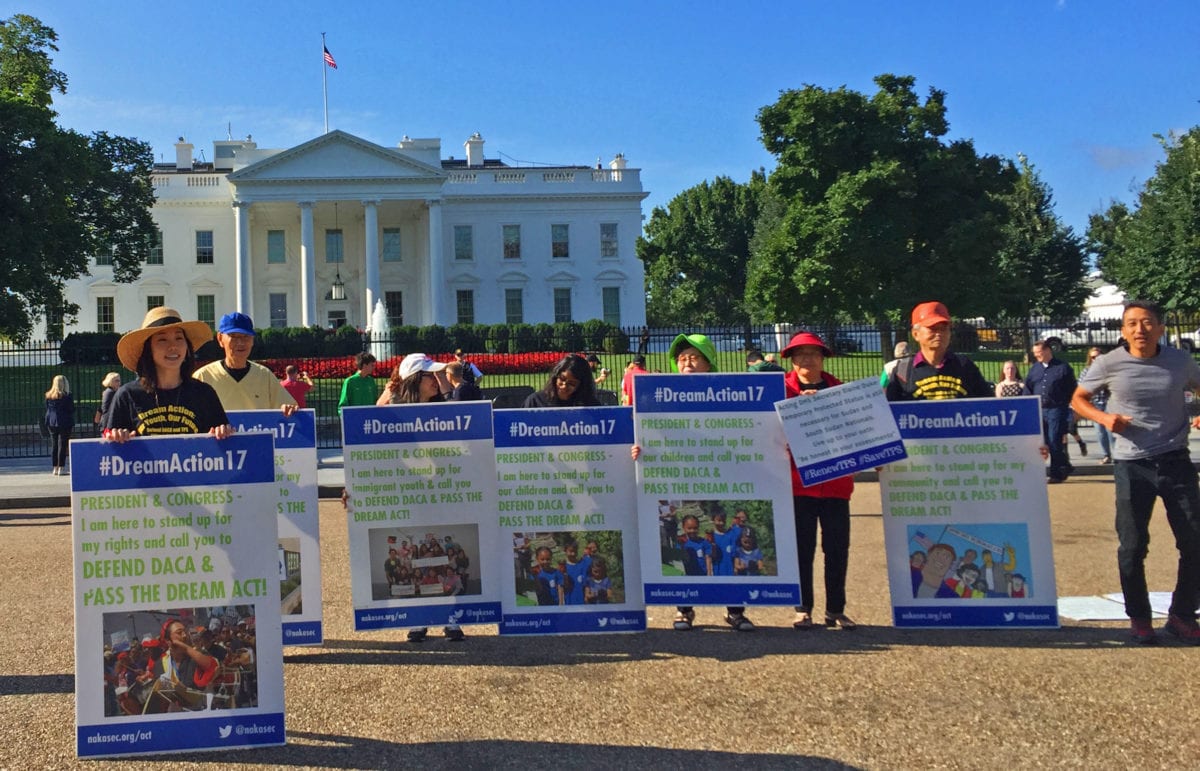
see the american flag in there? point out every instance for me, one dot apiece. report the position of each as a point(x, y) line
point(329, 58)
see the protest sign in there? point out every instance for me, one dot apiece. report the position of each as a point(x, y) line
point(713, 483)
point(421, 480)
point(299, 546)
point(840, 431)
point(966, 517)
point(174, 560)
point(567, 509)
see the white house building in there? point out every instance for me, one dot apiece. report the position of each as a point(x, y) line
point(318, 233)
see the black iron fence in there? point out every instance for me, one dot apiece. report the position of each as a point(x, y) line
point(862, 349)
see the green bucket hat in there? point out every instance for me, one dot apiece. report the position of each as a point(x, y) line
point(700, 342)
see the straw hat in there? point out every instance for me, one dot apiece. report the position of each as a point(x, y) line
point(129, 348)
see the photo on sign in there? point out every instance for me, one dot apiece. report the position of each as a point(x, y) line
point(289, 577)
point(717, 538)
point(970, 561)
point(424, 561)
point(179, 660)
point(577, 567)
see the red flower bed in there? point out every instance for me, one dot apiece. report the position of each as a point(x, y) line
point(488, 363)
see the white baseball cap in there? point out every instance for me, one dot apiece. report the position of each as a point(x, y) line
point(418, 362)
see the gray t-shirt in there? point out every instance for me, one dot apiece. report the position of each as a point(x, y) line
point(1150, 391)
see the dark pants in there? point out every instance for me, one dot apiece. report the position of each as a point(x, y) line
point(59, 438)
point(833, 515)
point(1054, 429)
point(1138, 482)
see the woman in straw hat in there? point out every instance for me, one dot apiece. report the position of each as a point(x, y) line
point(165, 399)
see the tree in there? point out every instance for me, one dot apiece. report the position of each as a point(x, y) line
point(1043, 265)
point(67, 197)
point(1153, 252)
point(695, 252)
point(879, 212)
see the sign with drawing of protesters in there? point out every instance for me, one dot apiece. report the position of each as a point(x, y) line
point(966, 518)
point(840, 431)
point(714, 491)
point(566, 506)
point(299, 549)
point(421, 480)
point(177, 625)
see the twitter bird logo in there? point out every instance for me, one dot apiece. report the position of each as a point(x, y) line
point(224, 731)
point(456, 615)
point(603, 622)
point(1009, 616)
point(753, 594)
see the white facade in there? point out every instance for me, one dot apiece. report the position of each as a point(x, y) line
point(439, 241)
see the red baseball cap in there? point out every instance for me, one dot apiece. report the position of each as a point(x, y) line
point(805, 338)
point(929, 313)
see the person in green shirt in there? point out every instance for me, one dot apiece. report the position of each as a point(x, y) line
point(360, 390)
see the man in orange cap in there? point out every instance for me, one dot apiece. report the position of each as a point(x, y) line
point(935, 372)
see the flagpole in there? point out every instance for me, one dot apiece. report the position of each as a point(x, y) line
point(325, 82)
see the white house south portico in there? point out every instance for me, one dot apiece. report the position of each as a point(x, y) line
point(319, 233)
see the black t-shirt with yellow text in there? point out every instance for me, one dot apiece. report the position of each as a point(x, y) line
point(192, 408)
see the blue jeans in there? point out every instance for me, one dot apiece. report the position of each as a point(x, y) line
point(1054, 428)
point(1172, 477)
point(1105, 441)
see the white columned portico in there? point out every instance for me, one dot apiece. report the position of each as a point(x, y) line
point(244, 301)
point(371, 249)
point(436, 278)
point(308, 267)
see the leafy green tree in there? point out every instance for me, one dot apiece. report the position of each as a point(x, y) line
point(695, 253)
point(878, 212)
point(66, 197)
point(1043, 265)
point(1153, 251)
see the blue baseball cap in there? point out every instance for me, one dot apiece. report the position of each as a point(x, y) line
point(236, 324)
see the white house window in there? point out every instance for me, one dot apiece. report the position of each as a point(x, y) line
point(155, 301)
point(106, 314)
point(391, 245)
point(608, 239)
point(337, 319)
point(464, 246)
point(278, 303)
point(562, 304)
point(512, 242)
point(465, 304)
point(276, 247)
point(611, 296)
point(204, 247)
point(206, 310)
point(333, 246)
point(560, 241)
point(154, 250)
point(105, 257)
point(514, 306)
point(394, 303)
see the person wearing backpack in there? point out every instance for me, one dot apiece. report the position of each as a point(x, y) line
point(935, 372)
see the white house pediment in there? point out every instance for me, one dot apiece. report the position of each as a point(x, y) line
point(205, 285)
point(561, 277)
point(513, 277)
point(462, 279)
point(612, 275)
point(336, 155)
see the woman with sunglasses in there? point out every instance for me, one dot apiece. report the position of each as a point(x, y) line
point(570, 385)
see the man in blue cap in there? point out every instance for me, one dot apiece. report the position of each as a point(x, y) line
point(240, 383)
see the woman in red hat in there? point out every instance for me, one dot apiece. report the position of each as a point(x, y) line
point(826, 504)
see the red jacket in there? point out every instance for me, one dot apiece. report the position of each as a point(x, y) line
point(842, 487)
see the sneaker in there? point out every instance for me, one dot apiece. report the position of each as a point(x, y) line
point(454, 633)
point(1184, 629)
point(739, 622)
point(684, 620)
point(1142, 630)
point(417, 635)
point(1105, 460)
point(1082, 448)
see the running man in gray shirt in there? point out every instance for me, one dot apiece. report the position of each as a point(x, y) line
point(1148, 418)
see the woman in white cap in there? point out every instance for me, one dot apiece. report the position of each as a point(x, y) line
point(419, 380)
point(165, 399)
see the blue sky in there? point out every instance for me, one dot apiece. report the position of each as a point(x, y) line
point(1079, 87)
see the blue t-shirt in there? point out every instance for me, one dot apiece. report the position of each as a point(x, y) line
point(548, 582)
point(599, 589)
point(751, 558)
point(694, 553)
point(577, 572)
point(726, 544)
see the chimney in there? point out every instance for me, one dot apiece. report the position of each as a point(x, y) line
point(474, 147)
point(183, 155)
point(618, 162)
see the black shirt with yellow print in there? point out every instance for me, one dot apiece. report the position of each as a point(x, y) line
point(192, 408)
point(957, 378)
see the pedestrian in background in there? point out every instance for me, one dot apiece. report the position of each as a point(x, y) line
point(60, 420)
point(298, 384)
point(1100, 402)
point(111, 382)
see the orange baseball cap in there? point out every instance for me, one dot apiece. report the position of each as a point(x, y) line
point(930, 313)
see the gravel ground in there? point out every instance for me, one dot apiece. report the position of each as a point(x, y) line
point(877, 697)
